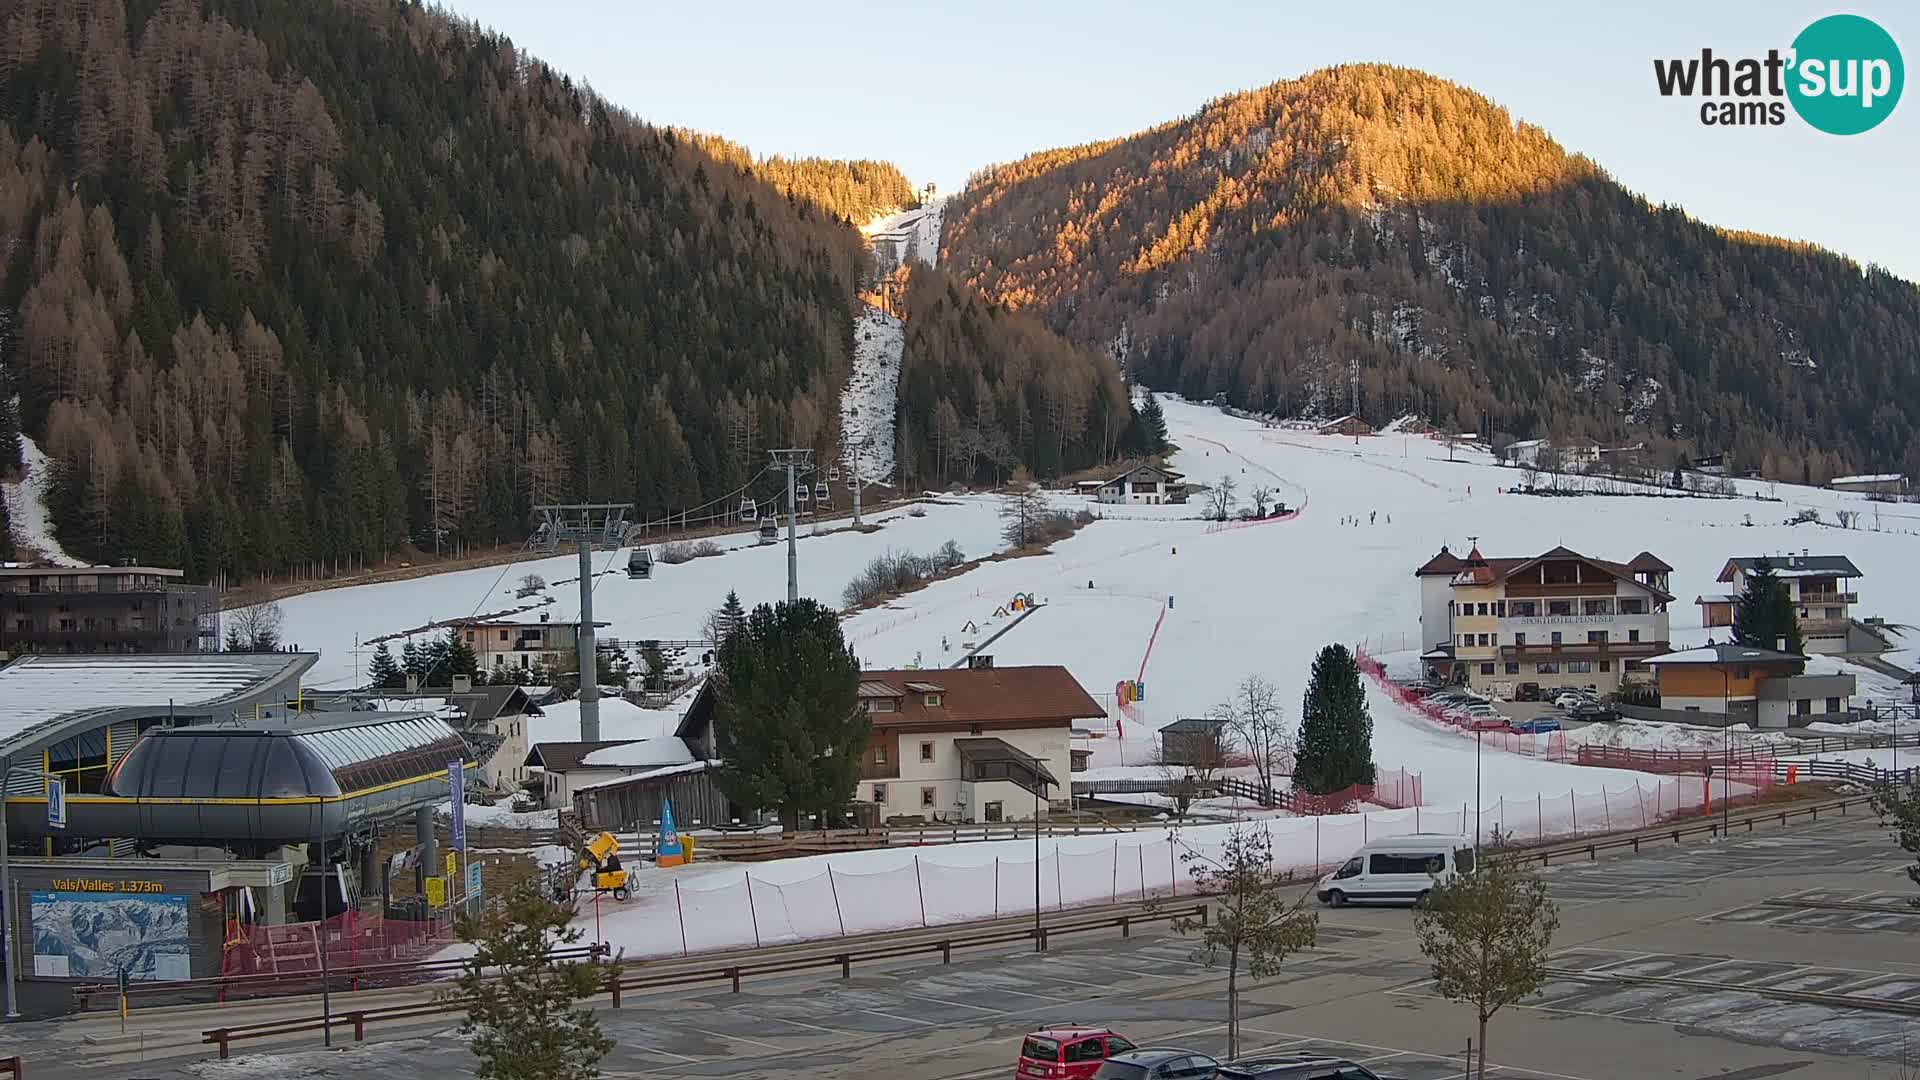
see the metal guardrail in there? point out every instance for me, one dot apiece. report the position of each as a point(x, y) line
point(1675, 830)
point(358, 1019)
point(354, 977)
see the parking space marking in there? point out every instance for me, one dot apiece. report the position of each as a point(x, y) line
point(742, 1039)
point(1394, 1051)
point(952, 1004)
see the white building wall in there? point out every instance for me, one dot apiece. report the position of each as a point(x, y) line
point(1436, 610)
point(1053, 746)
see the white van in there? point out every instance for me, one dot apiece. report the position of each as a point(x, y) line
point(1401, 868)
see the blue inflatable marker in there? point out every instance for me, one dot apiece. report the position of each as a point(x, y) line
point(669, 852)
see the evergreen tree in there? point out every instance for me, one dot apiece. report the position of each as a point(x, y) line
point(730, 617)
point(382, 672)
point(234, 642)
point(1153, 427)
point(460, 656)
point(1336, 731)
point(1763, 616)
point(655, 662)
point(524, 1019)
point(790, 730)
point(412, 662)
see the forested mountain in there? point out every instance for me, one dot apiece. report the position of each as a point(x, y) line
point(983, 390)
point(1476, 272)
point(305, 279)
point(854, 191)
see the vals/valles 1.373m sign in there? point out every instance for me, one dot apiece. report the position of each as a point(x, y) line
point(1842, 75)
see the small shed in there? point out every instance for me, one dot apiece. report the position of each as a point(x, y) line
point(1346, 425)
point(1199, 740)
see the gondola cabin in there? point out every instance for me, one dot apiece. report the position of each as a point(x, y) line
point(802, 494)
point(821, 493)
point(640, 563)
point(747, 509)
point(769, 529)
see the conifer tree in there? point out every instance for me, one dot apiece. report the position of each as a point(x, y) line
point(1336, 731)
point(460, 658)
point(788, 725)
point(383, 672)
point(1153, 427)
point(1763, 616)
point(412, 662)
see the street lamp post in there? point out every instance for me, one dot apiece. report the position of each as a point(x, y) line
point(1479, 738)
point(1726, 755)
point(1038, 786)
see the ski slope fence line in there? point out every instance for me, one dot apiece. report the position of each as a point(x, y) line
point(1248, 523)
point(829, 896)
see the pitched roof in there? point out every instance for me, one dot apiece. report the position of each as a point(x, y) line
point(1043, 695)
point(567, 756)
point(1648, 561)
point(1137, 469)
point(991, 749)
point(1198, 725)
point(1478, 571)
point(1791, 565)
point(1444, 563)
point(640, 754)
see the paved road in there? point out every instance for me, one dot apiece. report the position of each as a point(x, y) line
point(1701, 911)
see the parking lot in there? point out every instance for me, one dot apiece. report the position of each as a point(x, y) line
point(1671, 913)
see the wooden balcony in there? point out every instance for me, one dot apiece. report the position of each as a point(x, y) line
point(1814, 598)
point(1584, 650)
point(1571, 588)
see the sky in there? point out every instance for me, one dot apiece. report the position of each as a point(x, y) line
point(942, 90)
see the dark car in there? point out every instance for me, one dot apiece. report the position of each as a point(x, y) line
point(1296, 1067)
point(1592, 712)
point(1527, 691)
point(1158, 1063)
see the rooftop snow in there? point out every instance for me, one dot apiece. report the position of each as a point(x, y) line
point(1875, 478)
point(650, 774)
point(39, 689)
point(643, 754)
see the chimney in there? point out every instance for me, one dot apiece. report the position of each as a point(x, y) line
point(463, 684)
point(413, 683)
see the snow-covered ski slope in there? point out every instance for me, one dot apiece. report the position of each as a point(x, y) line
point(670, 606)
point(1263, 599)
point(868, 404)
point(26, 500)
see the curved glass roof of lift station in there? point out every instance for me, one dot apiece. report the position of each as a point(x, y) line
point(293, 758)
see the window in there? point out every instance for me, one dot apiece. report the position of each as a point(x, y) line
point(1606, 665)
point(1086, 1050)
point(1463, 860)
point(879, 755)
point(1484, 639)
point(1559, 607)
point(1500, 608)
point(929, 796)
point(1486, 669)
point(1579, 667)
point(1596, 637)
point(994, 811)
point(879, 793)
point(1117, 1045)
point(1483, 609)
point(1633, 605)
point(1519, 639)
point(1513, 668)
point(1835, 613)
point(880, 704)
point(1547, 668)
point(1833, 704)
point(1633, 635)
point(469, 637)
point(1596, 607)
point(1525, 609)
point(1423, 862)
point(1556, 637)
point(1351, 868)
point(1466, 640)
point(933, 701)
point(504, 634)
point(926, 751)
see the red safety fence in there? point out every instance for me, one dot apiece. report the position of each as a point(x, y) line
point(1396, 790)
point(1551, 745)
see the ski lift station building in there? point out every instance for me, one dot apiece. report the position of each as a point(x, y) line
point(191, 779)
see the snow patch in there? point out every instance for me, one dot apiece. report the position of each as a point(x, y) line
point(869, 403)
point(27, 507)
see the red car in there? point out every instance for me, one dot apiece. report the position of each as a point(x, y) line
point(1488, 723)
point(1067, 1052)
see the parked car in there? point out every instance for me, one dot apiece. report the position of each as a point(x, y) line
point(1297, 1067)
point(1402, 868)
point(1592, 712)
point(1567, 699)
point(1496, 722)
point(1068, 1052)
point(1158, 1063)
point(1527, 691)
point(1535, 726)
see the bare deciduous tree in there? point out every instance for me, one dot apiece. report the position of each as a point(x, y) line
point(255, 628)
point(1221, 499)
point(1258, 722)
point(1262, 497)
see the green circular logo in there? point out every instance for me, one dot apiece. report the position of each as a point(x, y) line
point(1846, 75)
